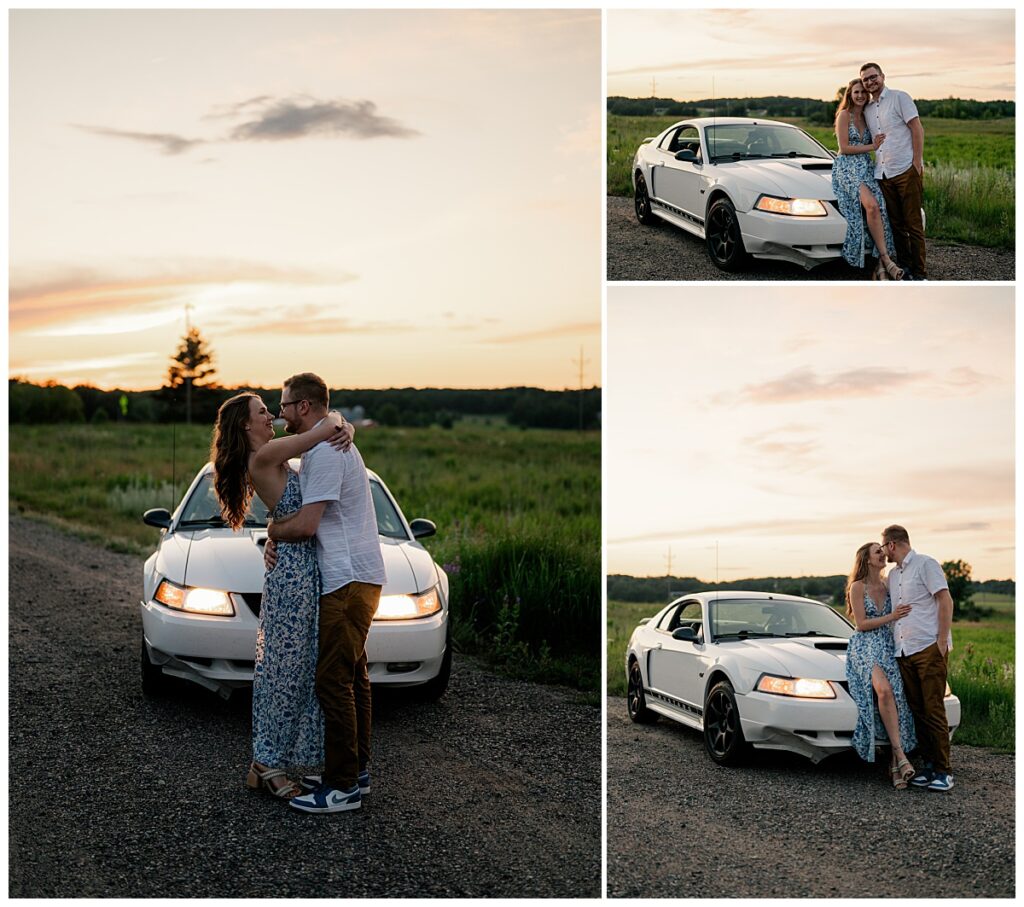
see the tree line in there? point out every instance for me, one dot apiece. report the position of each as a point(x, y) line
point(524, 407)
point(813, 109)
point(662, 589)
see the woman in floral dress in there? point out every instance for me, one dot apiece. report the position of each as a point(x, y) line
point(287, 723)
point(857, 191)
point(871, 669)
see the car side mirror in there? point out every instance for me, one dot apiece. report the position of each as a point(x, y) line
point(422, 528)
point(686, 634)
point(158, 517)
point(686, 155)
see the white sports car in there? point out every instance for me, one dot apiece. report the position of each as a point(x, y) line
point(745, 186)
point(749, 669)
point(202, 589)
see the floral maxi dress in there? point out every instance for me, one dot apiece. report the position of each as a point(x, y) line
point(866, 649)
point(287, 723)
point(848, 172)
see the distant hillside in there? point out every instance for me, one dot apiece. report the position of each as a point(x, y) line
point(658, 588)
point(813, 109)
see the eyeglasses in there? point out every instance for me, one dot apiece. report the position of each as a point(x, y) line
point(873, 78)
point(291, 403)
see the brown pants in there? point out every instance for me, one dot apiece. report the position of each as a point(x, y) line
point(342, 681)
point(902, 196)
point(924, 682)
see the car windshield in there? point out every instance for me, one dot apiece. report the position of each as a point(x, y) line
point(760, 618)
point(201, 510)
point(743, 141)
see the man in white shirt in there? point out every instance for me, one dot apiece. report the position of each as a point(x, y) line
point(923, 639)
point(899, 165)
point(337, 507)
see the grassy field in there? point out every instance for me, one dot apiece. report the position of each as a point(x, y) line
point(969, 173)
point(518, 516)
point(981, 667)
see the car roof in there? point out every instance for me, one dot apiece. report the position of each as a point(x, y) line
point(730, 121)
point(208, 468)
point(735, 594)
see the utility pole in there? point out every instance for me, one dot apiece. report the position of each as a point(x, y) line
point(581, 362)
point(188, 378)
point(668, 573)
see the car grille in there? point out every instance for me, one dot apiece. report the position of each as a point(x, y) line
point(253, 599)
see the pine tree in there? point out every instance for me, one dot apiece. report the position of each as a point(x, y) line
point(190, 366)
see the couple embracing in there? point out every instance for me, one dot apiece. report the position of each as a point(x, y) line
point(885, 194)
point(899, 657)
point(311, 701)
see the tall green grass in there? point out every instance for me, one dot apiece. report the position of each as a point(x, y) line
point(518, 516)
point(969, 173)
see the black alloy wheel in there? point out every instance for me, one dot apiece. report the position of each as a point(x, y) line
point(723, 734)
point(724, 242)
point(636, 702)
point(642, 202)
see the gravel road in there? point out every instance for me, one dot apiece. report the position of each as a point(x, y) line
point(681, 826)
point(494, 790)
point(665, 252)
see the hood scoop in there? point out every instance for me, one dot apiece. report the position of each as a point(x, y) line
point(831, 646)
point(824, 166)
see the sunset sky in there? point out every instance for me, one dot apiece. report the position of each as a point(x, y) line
point(966, 53)
point(792, 425)
point(387, 198)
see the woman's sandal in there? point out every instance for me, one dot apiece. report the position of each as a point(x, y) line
point(264, 779)
point(900, 776)
point(893, 270)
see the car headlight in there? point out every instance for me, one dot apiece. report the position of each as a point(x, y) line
point(405, 607)
point(800, 687)
point(194, 599)
point(794, 207)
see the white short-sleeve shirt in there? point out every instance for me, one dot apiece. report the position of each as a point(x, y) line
point(890, 114)
point(347, 542)
point(916, 582)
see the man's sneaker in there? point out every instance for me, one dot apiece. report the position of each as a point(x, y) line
point(923, 777)
point(312, 782)
point(941, 782)
point(328, 800)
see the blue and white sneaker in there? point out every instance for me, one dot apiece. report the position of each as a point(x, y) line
point(923, 777)
point(941, 782)
point(312, 782)
point(328, 800)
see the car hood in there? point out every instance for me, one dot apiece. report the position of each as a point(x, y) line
point(820, 657)
point(787, 178)
point(233, 561)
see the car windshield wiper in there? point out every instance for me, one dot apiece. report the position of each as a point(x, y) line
point(748, 634)
point(798, 155)
point(809, 633)
point(207, 523)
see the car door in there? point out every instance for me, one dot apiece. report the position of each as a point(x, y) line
point(677, 666)
point(678, 184)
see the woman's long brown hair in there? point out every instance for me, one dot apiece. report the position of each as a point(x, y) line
point(229, 453)
point(847, 102)
point(859, 572)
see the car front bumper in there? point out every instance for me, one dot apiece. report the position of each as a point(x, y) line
point(813, 728)
point(219, 652)
point(804, 241)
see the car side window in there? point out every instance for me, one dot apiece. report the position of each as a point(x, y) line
point(684, 137)
point(688, 614)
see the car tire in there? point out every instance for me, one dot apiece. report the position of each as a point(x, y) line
point(642, 203)
point(636, 702)
point(722, 236)
point(154, 682)
point(723, 732)
point(435, 687)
